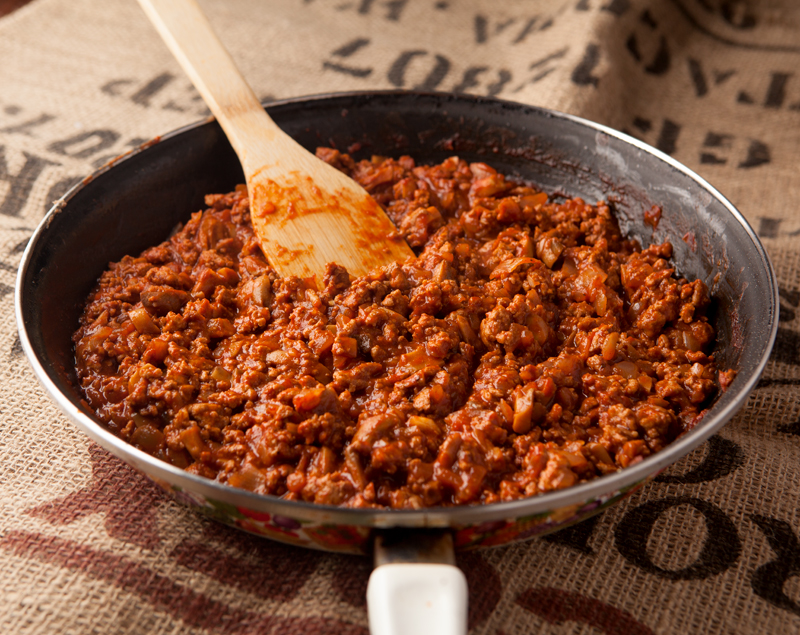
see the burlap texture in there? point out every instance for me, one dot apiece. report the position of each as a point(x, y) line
point(88, 546)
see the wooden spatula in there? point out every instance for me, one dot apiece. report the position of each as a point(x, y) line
point(305, 212)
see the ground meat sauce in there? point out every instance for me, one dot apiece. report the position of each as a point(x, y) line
point(529, 348)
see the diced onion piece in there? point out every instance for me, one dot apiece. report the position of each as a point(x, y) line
point(417, 359)
point(353, 464)
point(533, 201)
point(143, 322)
point(424, 424)
point(590, 276)
point(506, 411)
point(690, 342)
point(539, 328)
point(248, 477)
point(601, 303)
point(467, 332)
point(325, 461)
point(523, 409)
point(193, 442)
point(549, 249)
point(609, 349)
point(569, 268)
point(220, 374)
point(576, 460)
point(278, 357)
point(509, 266)
point(627, 369)
point(599, 453)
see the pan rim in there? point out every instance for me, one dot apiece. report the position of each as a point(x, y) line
point(433, 516)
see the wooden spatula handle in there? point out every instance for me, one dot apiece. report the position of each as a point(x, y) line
point(189, 36)
point(306, 213)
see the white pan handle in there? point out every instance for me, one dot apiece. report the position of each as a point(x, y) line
point(417, 599)
point(415, 588)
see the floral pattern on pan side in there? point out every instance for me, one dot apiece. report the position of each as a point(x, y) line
point(356, 539)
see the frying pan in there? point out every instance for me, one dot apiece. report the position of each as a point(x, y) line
point(137, 200)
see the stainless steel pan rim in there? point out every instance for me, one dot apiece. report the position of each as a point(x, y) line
point(727, 405)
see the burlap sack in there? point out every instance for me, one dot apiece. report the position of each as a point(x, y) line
point(89, 546)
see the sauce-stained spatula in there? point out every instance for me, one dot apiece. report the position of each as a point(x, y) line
point(305, 212)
